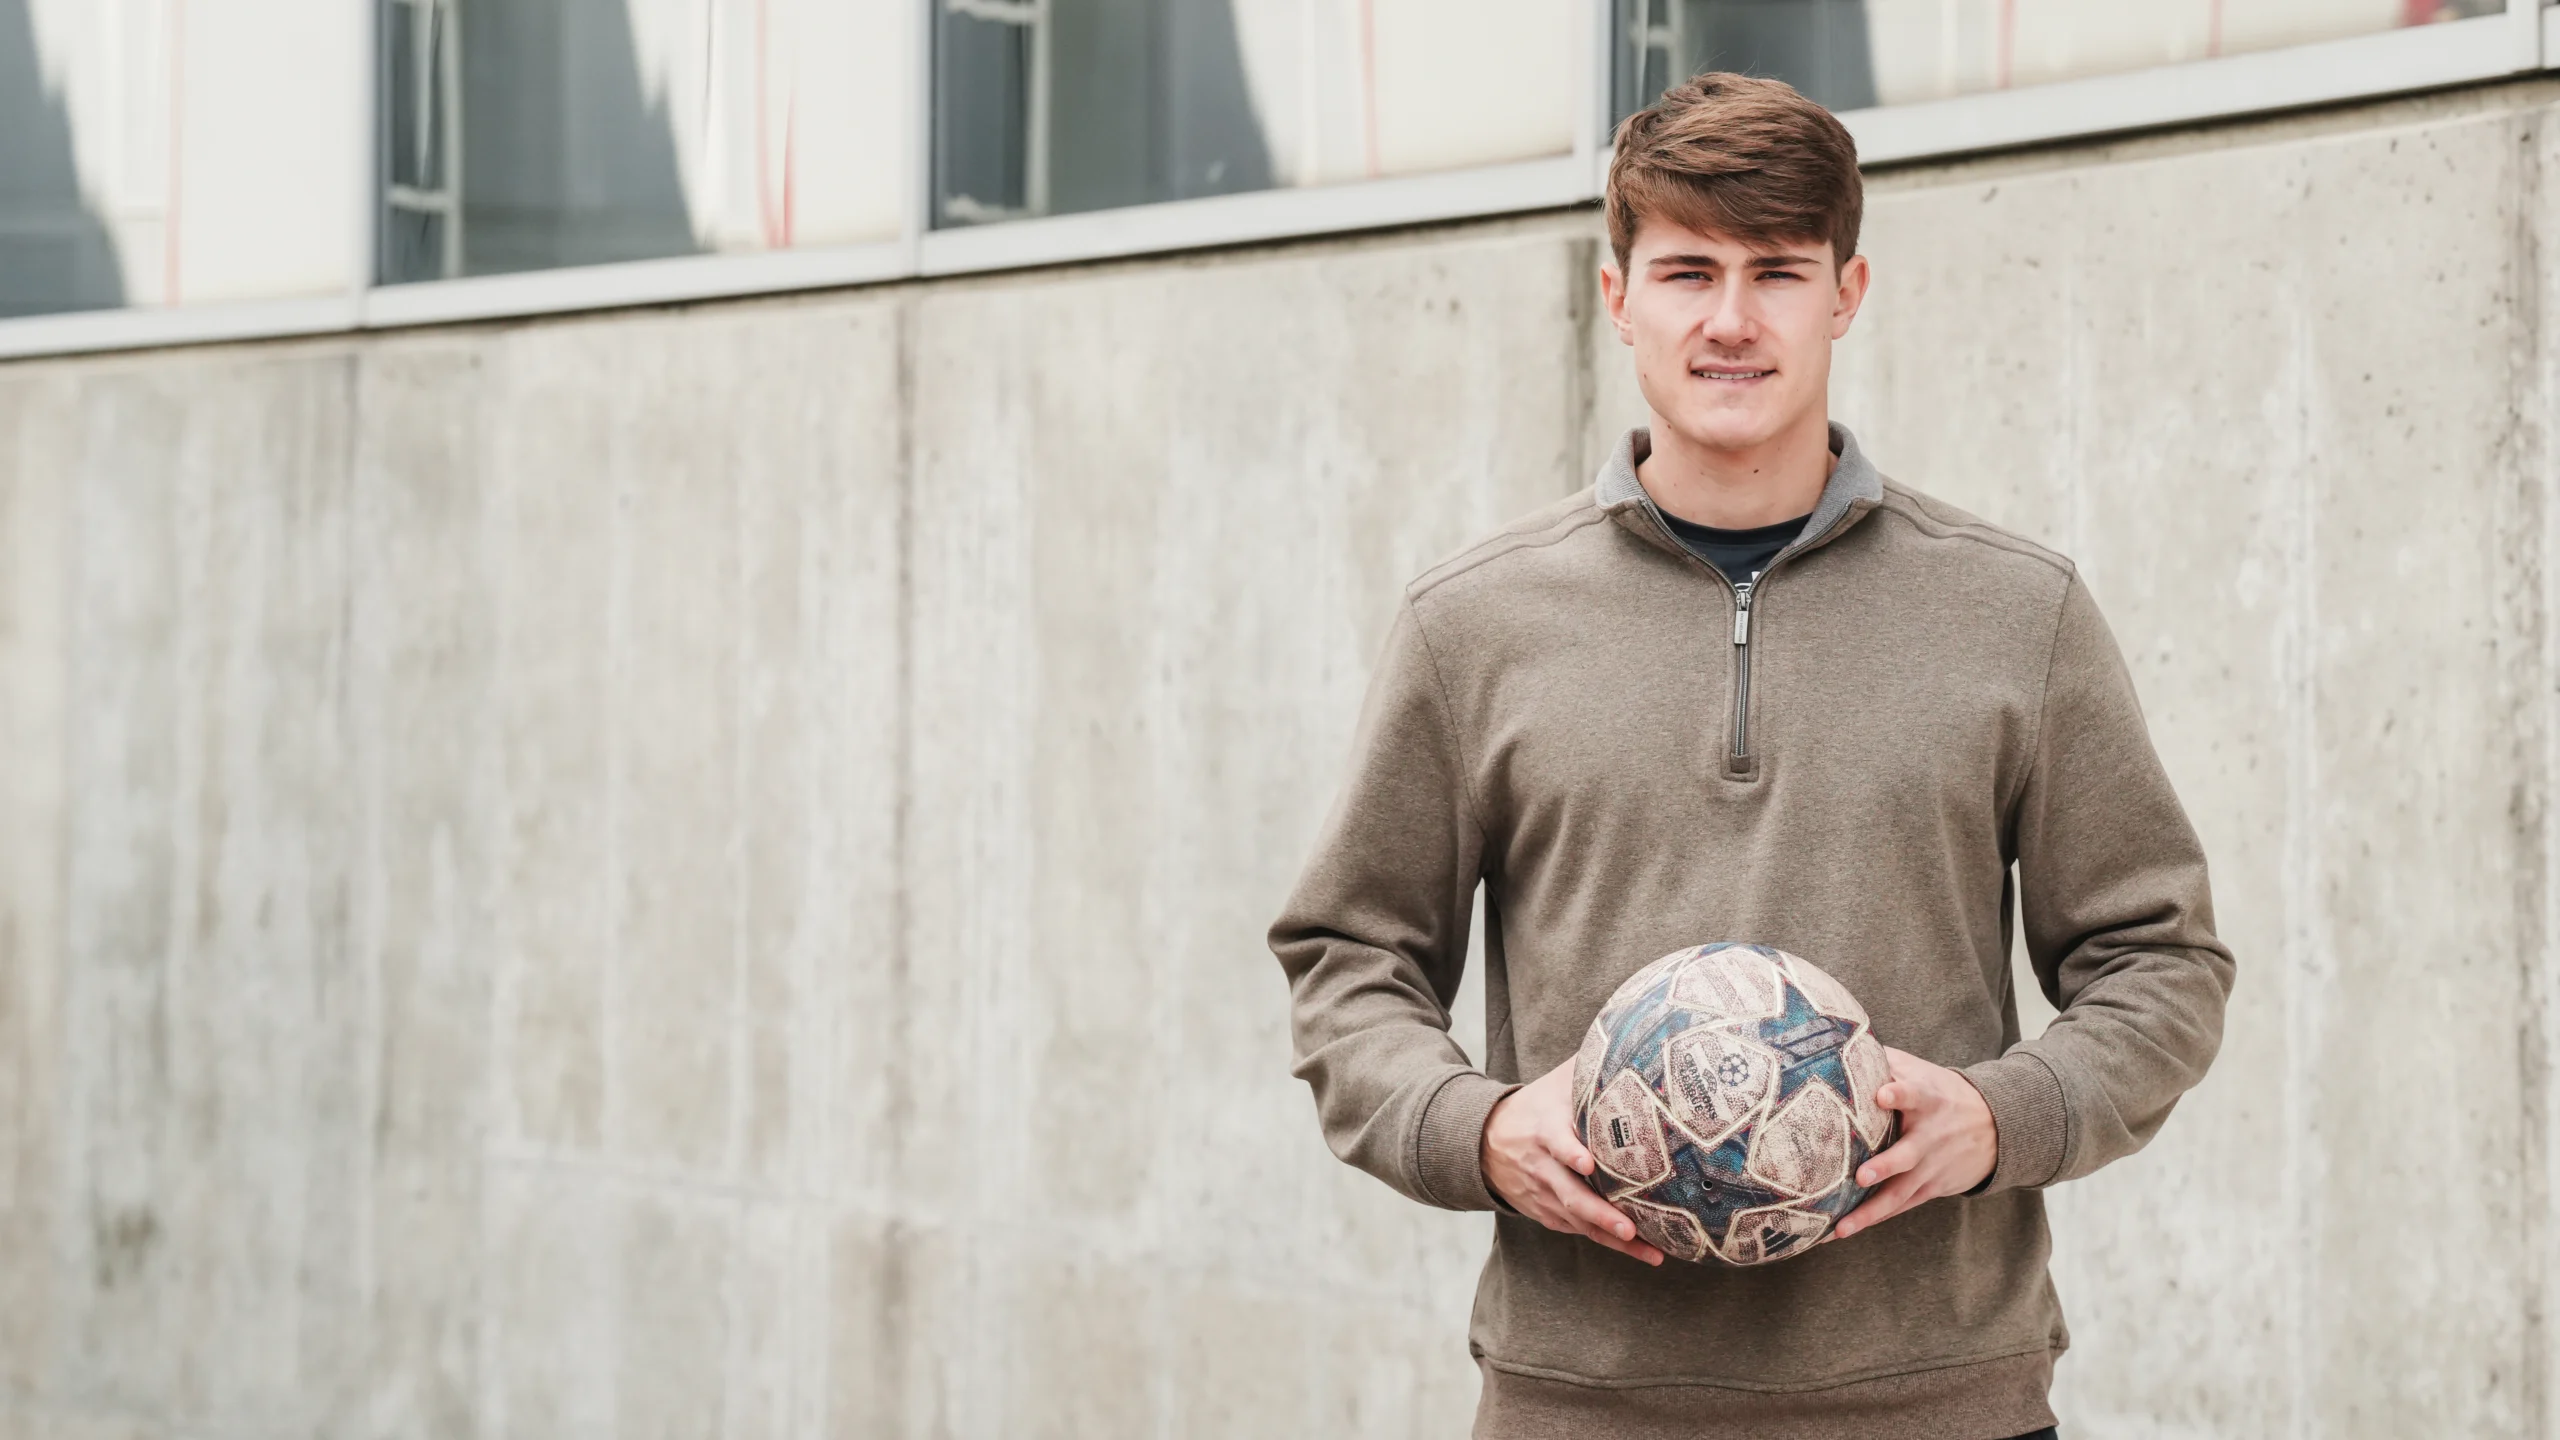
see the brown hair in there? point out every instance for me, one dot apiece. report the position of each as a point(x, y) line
point(1737, 156)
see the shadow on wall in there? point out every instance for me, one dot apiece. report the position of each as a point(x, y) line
point(566, 159)
point(55, 253)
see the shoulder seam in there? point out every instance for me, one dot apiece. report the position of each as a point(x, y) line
point(1449, 720)
point(1916, 514)
point(1498, 546)
point(2035, 737)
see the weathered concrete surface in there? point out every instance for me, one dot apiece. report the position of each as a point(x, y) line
point(2291, 426)
point(700, 873)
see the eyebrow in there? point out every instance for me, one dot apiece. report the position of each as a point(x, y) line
point(1709, 262)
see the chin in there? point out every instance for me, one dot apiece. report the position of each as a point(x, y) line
point(1726, 431)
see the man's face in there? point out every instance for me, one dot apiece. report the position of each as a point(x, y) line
point(1732, 340)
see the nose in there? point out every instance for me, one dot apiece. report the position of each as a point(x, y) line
point(1731, 320)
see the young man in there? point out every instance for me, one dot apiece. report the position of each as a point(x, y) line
point(1744, 688)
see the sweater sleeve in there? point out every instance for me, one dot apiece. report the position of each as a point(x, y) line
point(1374, 938)
point(2118, 921)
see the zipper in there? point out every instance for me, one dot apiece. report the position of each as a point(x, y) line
point(1742, 668)
point(1740, 756)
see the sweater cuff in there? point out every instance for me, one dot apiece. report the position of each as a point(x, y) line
point(1449, 1147)
point(2032, 1121)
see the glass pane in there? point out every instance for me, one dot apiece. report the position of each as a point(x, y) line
point(982, 134)
point(1818, 46)
point(145, 161)
point(530, 134)
point(55, 250)
point(415, 246)
point(1048, 107)
point(1849, 54)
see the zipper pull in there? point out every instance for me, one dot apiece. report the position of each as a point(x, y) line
point(1742, 613)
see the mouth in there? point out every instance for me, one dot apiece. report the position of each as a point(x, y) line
point(1730, 374)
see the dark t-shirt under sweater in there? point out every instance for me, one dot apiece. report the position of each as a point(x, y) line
point(1739, 554)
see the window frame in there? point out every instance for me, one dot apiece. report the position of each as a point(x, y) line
point(2525, 39)
point(441, 20)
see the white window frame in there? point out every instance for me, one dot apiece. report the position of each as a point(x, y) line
point(2523, 40)
point(439, 125)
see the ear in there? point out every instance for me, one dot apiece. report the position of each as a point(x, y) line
point(1853, 293)
point(1613, 293)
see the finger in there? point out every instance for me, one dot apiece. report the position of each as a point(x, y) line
point(1598, 1220)
point(1896, 1161)
point(1889, 1199)
point(1894, 1197)
point(1903, 1094)
point(1566, 1146)
point(1544, 1211)
point(1607, 1224)
point(1541, 1204)
point(1632, 1249)
point(1599, 1214)
point(1589, 1211)
point(1618, 1232)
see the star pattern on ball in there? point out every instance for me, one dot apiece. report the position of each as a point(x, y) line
point(1711, 1182)
point(1811, 1043)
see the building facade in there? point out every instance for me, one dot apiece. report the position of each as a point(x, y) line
point(642, 799)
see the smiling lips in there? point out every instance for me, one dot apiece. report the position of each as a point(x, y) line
point(1720, 373)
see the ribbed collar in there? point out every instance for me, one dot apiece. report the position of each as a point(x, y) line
point(1854, 484)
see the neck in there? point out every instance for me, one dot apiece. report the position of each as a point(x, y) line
point(1778, 479)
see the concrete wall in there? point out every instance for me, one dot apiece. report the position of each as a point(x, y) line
point(701, 873)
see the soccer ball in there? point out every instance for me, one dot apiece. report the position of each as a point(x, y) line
point(1729, 1094)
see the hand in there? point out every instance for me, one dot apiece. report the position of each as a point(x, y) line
point(1948, 1142)
point(1533, 1159)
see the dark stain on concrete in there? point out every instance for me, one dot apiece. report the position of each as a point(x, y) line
point(123, 1240)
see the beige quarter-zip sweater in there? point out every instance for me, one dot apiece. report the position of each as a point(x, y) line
point(1920, 721)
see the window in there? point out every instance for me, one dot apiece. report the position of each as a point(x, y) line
point(176, 170)
point(1052, 107)
point(152, 154)
point(1857, 54)
point(533, 134)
